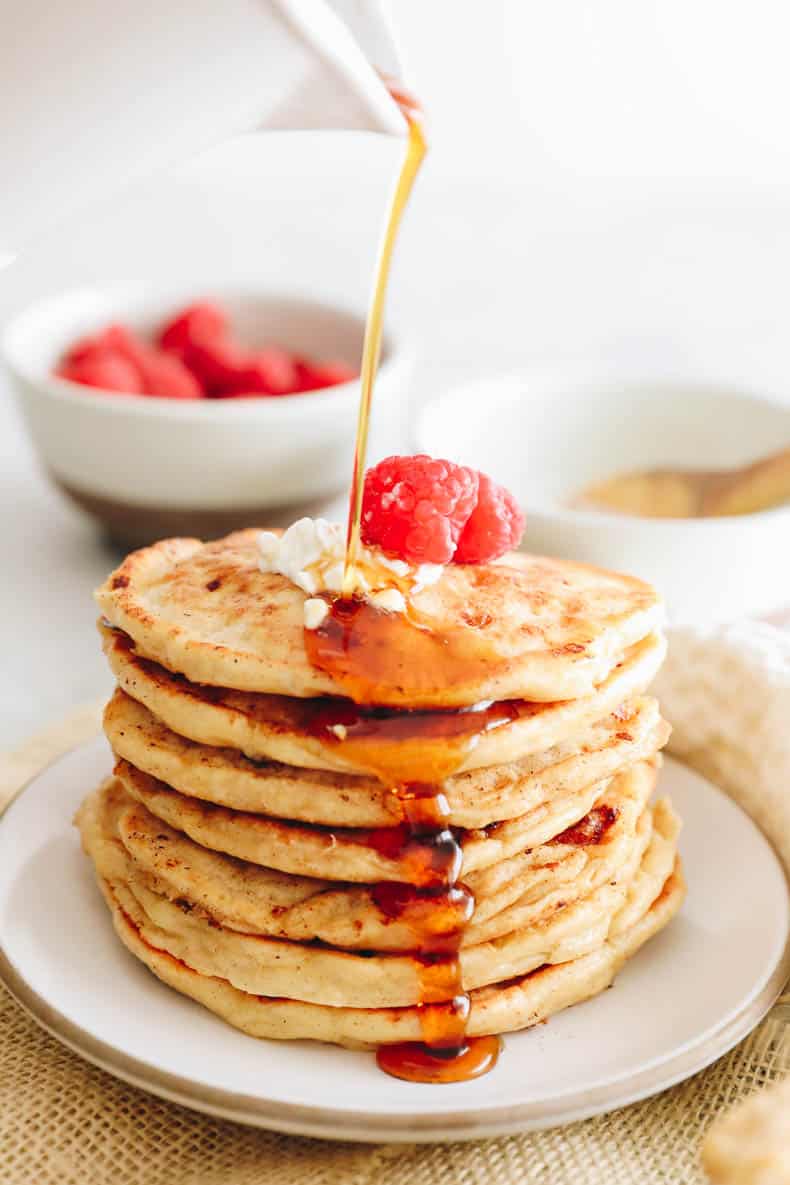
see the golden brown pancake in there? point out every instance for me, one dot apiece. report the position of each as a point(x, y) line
point(475, 799)
point(534, 628)
point(325, 975)
point(283, 798)
point(515, 1004)
point(364, 856)
point(265, 727)
point(126, 842)
point(250, 846)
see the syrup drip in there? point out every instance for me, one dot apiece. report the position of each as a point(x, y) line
point(412, 752)
point(404, 746)
point(437, 908)
point(435, 919)
point(393, 744)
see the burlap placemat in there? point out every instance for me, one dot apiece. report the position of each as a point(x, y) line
point(63, 1121)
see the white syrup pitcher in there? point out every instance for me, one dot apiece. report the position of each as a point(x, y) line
point(97, 93)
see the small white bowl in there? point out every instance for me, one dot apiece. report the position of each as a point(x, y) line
point(547, 434)
point(148, 467)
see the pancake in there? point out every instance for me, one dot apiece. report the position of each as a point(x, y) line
point(343, 833)
point(360, 855)
point(126, 842)
point(529, 887)
point(325, 975)
point(516, 1004)
point(274, 728)
point(475, 799)
point(540, 629)
point(653, 869)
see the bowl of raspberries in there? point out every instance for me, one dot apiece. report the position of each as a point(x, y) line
point(193, 414)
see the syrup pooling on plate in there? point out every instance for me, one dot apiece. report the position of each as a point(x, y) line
point(419, 1063)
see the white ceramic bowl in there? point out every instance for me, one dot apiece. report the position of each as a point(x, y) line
point(547, 434)
point(148, 467)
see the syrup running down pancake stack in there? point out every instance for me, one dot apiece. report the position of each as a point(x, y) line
point(410, 822)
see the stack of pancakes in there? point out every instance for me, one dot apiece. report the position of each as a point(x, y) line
point(254, 861)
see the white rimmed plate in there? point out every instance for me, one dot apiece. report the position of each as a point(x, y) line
point(686, 998)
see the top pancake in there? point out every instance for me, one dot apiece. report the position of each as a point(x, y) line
point(544, 629)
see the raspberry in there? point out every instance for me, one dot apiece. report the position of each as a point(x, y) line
point(200, 322)
point(313, 376)
point(416, 507)
point(85, 347)
point(216, 364)
point(161, 373)
point(196, 355)
point(164, 374)
point(124, 341)
point(494, 527)
point(268, 372)
point(100, 368)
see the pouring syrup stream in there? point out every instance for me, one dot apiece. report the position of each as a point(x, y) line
point(357, 644)
point(416, 149)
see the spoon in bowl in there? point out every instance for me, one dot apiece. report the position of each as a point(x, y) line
point(694, 493)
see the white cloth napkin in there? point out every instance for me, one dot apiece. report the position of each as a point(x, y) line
point(726, 692)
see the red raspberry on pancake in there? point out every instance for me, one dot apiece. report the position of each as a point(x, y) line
point(495, 525)
point(416, 507)
point(432, 511)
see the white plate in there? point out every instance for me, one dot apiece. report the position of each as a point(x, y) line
point(688, 996)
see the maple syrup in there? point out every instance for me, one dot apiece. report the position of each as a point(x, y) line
point(412, 752)
point(416, 149)
point(372, 654)
point(417, 1062)
point(436, 919)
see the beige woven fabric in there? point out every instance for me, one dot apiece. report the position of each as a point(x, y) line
point(64, 1122)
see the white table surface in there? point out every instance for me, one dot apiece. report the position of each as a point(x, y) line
point(490, 278)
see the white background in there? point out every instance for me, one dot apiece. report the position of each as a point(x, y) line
point(607, 179)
